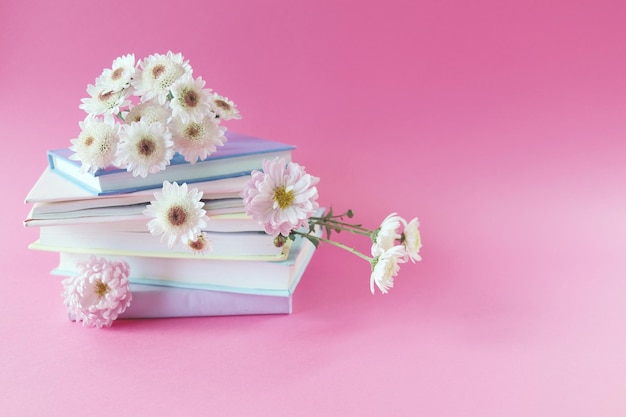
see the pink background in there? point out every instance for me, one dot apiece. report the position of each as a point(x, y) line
point(500, 124)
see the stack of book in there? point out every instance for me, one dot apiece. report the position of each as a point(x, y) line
point(81, 214)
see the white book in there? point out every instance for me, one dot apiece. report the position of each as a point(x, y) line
point(220, 220)
point(251, 277)
point(61, 195)
point(85, 238)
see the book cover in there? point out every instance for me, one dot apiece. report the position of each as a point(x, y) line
point(239, 156)
point(152, 301)
point(236, 275)
point(226, 216)
point(80, 238)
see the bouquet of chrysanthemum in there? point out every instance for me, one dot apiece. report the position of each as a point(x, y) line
point(173, 112)
point(140, 114)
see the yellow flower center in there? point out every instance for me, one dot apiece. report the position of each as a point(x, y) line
point(101, 289)
point(283, 197)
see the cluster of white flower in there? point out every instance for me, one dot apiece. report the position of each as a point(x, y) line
point(394, 242)
point(141, 114)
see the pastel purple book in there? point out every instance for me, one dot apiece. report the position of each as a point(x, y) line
point(151, 301)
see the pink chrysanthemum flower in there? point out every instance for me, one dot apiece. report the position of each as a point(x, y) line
point(385, 267)
point(386, 235)
point(99, 293)
point(282, 197)
point(177, 214)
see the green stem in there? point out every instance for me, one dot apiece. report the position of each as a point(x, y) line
point(336, 227)
point(341, 225)
point(337, 244)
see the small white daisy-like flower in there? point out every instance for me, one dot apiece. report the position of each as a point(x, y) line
point(144, 148)
point(197, 140)
point(96, 144)
point(158, 73)
point(385, 267)
point(190, 100)
point(149, 111)
point(177, 214)
point(200, 245)
point(99, 293)
point(224, 108)
point(386, 235)
point(282, 197)
point(411, 239)
point(119, 76)
point(104, 101)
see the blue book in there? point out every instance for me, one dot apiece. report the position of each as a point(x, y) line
point(239, 156)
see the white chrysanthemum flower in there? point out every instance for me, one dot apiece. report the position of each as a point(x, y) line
point(282, 197)
point(412, 240)
point(157, 74)
point(104, 101)
point(200, 245)
point(144, 148)
point(177, 214)
point(197, 140)
point(190, 100)
point(150, 111)
point(224, 108)
point(385, 267)
point(96, 144)
point(99, 293)
point(119, 76)
point(386, 235)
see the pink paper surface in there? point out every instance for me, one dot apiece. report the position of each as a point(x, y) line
point(500, 124)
